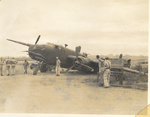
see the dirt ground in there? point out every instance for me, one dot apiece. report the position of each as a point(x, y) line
point(70, 93)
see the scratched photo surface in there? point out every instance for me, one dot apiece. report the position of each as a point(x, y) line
point(106, 28)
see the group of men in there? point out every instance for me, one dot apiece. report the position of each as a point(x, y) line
point(10, 65)
point(103, 76)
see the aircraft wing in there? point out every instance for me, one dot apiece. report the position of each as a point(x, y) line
point(82, 64)
point(94, 65)
point(83, 67)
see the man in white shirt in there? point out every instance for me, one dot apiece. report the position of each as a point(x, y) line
point(105, 71)
point(100, 72)
point(58, 62)
point(8, 64)
point(13, 65)
point(25, 65)
point(106, 75)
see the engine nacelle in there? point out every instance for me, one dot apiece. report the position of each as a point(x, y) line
point(83, 60)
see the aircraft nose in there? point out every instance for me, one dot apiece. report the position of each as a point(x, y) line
point(34, 47)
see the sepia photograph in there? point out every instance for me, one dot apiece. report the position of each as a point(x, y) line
point(74, 57)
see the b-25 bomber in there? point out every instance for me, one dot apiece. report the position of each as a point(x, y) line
point(71, 59)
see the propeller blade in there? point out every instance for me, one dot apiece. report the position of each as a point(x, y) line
point(69, 68)
point(37, 39)
point(78, 49)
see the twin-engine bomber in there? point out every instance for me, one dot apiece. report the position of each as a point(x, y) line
point(46, 54)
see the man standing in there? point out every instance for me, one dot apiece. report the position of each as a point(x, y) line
point(13, 65)
point(1, 66)
point(106, 75)
point(57, 66)
point(101, 71)
point(8, 63)
point(25, 65)
point(36, 69)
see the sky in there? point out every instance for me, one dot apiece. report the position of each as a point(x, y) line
point(98, 26)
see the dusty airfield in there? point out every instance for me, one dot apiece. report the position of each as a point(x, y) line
point(72, 93)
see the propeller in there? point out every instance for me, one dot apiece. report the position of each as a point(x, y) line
point(70, 68)
point(37, 39)
point(78, 49)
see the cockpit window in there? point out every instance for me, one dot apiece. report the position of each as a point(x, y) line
point(57, 47)
point(43, 48)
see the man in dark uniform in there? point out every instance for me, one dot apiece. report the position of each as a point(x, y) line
point(1, 66)
point(25, 65)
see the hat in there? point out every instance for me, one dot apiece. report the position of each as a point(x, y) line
point(106, 58)
point(97, 56)
point(103, 58)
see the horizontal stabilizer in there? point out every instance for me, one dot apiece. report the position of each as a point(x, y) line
point(134, 71)
point(83, 67)
point(26, 44)
point(130, 70)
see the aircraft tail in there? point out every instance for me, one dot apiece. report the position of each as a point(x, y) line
point(26, 44)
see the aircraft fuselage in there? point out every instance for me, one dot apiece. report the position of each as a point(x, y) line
point(48, 53)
